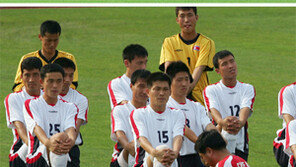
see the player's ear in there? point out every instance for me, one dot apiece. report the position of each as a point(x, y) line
point(196, 17)
point(131, 85)
point(40, 37)
point(126, 63)
point(217, 70)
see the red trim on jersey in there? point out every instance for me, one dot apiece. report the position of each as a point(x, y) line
point(291, 160)
point(159, 112)
point(230, 86)
point(287, 136)
point(113, 99)
point(253, 100)
point(86, 111)
point(112, 121)
point(115, 156)
point(31, 138)
point(137, 157)
point(182, 103)
point(222, 162)
point(281, 97)
point(134, 125)
point(34, 159)
point(15, 132)
point(277, 145)
point(27, 102)
point(12, 157)
point(76, 114)
point(206, 99)
point(63, 95)
point(7, 107)
point(87, 105)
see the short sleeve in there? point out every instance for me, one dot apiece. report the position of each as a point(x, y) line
point(116, 94)
point(71, 116)
point(202, 116)
point(83, 109)
point(166, 54)
point(117, 121)
point(286, 102)
point(179, 124)
point(137, 124)
point(210, 98)
point(31, 118)
point(248, 98)
point(206, 54)
point(290, 136)
point(14, 110)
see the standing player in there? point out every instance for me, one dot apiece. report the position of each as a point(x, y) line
point(50, 121)
point(196, 118)
point(121, 129)
point(158, 129)
point(287, 112)
point(192, 48)
point(73, 96)
point(50, 32)
point(230, 104)
point(30, 74)
point(212, 149)
point(291, 142)
point(135, 57)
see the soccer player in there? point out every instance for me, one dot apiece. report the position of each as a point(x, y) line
point(287, 112)
point(30, 74)
point(157, 128)
point(50, 121)
point(212, 149)
point(192, 48)
point(291, 142)
point(196, 118)
point(121, 129)
point(230, 103)
point(50, 32)
point(135, 57)
point(71, 95)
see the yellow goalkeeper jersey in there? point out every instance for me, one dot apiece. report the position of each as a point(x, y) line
point(197, 52)
point(18, 81)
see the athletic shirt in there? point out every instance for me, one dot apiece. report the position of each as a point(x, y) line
point(287, 101)
point(119, 90)
point(120, 121)
point(229, 101)
point(158, 128)
point(196, 120)
point(81, 102)
point(232, 161)
point(290, 137)
point(51, 118)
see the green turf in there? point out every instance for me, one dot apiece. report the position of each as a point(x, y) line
point(262, 39)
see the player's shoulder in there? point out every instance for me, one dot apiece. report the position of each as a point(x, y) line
point(171, 39)
point(203, 37)
point(246, 85)
point(65, 54)
point(65, 103)
point(212, 86)
point(292, 124)
point(116, 80)
point(78, 94)
point(31, 54)
point(194, 103)
point(175, 111)
point(289, 88)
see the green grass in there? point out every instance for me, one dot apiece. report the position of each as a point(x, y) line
point(262, 39)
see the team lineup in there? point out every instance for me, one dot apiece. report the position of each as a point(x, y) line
point(170, 118)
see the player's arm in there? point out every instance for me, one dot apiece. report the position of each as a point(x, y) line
point(287, 118)
point(79, 122)
point(166, 64)
point(177, 144)
point(21, 130)
point(210, 126)
point(190, 134)
point(243, 117)
point(70, 142)
point(196, 76)
point(122, 139)
point(17, 80)
point(293, 148)
point(227, 123)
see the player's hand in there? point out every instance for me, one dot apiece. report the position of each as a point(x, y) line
point(163, 156)
point(62, 143)
point(173, 155)
point(131, 148)
point(123, 102)
point(230, 124)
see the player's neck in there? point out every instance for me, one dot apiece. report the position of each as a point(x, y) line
point(33, 92)
point(138, 104)
point(47, 55)
point(179, 99)
point(128, 73)
point(64, 92)
point(188, 36)
point(222, 154)
point(158, 108)
point(229, 82)
point(50, 100)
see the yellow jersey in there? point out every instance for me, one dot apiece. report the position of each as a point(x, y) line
point(18, 81)
point(194, 53)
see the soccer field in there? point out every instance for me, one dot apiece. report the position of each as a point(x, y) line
point(263, 41)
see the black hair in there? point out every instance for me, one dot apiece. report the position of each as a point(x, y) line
point(50, 68)
point(176, 67)
point(158, 76)
point(139, 74)
point(31, 63)
point(65, 63)
point(186, 9)
point(221, 55)
point(133, 50)
point(51, 27)
point(211, 139)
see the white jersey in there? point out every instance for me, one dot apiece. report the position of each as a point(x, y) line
point(196, 120)
point(119, 89)
point(287, 101)
point(232, 161)
point(290, 137)
point(120, 121)
point(81, 102)
point(158, 128)
point(229, 101)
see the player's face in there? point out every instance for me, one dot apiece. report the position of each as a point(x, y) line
point(180, 84)
point(138, 63)
point(187, 20)
point(52, 84)
point(227, 67)
point(68, 79)
point(31, 79)
point(205, 159)
point(49, 42)
point(159, 93)
point(139, 91)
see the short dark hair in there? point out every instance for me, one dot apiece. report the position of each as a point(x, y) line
point(31, 63)
point(50, 26)
point(221, 55)
point(176, 67)
point(186, 9)
point(158, 76)
point(50, 68)
point(211, 139)
point(139, 74)
point(65, 63)
point(133, 50)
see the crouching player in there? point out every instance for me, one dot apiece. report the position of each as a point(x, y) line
point(50, 121)
point(121, 129)
point(158, 129)
point(14, 102)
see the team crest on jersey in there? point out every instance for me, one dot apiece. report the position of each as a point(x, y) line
point(53, 111)
point(178, 50)
point(184, 109)
point(160, 119)
point(232, 93)
point(196, 48)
